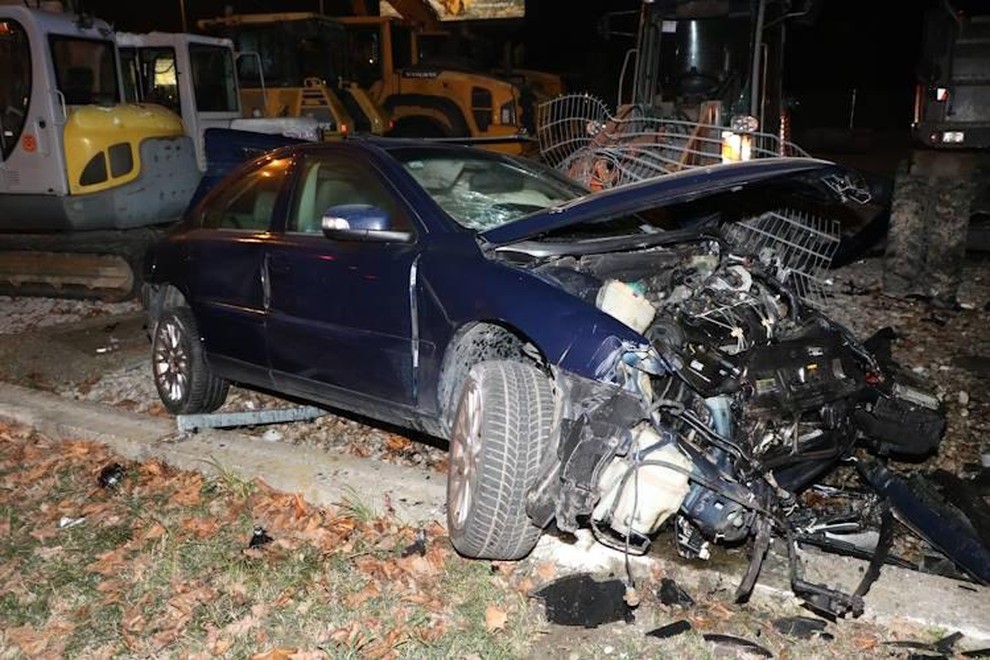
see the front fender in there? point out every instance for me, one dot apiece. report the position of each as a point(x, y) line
point(570, 333)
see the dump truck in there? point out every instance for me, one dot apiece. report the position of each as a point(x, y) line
point(941, 202)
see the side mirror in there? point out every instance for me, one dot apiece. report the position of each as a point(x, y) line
point(361, 222)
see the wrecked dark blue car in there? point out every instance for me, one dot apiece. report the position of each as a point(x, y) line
point(644, 359)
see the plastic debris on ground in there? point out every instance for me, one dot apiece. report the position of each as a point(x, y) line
point(671, 629)
point(259, 538)
point(802, 627)
point(672, 595)
point(580, 600)
point(111, 476)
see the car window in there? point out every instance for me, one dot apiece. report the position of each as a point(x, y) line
point(249, 202)
point(483, 191)
point(334, 181)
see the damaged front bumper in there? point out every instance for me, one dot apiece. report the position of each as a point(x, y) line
point(623, 469)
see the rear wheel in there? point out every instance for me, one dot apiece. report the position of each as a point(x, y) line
point(183, 379)
point(499, 436)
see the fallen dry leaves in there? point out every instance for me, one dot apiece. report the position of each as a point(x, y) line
point(161, 561)
point(495, 619)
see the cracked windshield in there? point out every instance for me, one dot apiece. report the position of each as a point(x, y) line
point(481, 192)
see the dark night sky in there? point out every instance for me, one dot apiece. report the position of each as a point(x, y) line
point(858, 44)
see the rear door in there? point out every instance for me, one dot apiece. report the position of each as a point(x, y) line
point(224, 264)
point(340, 315)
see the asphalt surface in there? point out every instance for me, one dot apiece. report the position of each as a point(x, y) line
point(417, 495)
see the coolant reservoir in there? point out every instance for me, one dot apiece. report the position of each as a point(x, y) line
point(623, 302)
point(652, 492)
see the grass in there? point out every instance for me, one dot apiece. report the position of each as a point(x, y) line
point(161, 567)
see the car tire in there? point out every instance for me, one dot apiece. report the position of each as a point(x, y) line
point(184, 381)
point(497, 442)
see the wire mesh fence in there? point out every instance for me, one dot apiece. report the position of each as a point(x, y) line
point(578, 135)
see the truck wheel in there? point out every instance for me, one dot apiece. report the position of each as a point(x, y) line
point(500, 433)
point(947, 237)
point(910, 217)
point(183, 379)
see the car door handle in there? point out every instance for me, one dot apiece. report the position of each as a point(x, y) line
point(266, 286)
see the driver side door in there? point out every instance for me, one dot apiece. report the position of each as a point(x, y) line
point(340, 312)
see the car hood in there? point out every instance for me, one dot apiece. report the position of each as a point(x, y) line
point(652, 193)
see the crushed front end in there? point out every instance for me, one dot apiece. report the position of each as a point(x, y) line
point(741, 396)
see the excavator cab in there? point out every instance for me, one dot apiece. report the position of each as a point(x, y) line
point(195, 76)
point(74, 155)
point(78, 166)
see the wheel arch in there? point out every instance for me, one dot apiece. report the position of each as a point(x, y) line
point(161, 297)
point(426, 107)
point(475, 342)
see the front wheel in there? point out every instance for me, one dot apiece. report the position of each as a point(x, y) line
point(183, 379)
point(500, 433)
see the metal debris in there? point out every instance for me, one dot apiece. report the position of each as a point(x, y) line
point(246, 418)
point(111, 476)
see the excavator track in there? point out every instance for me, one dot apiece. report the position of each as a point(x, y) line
point(101, 265)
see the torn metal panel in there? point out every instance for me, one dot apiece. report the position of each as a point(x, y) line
point(246, 418)
point(923, 512)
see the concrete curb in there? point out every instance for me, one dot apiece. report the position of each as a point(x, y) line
point(321, 478)
point(898, 596)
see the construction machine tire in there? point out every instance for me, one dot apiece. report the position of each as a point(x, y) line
point(420, 127)
point(422, 115)
point(911, 213)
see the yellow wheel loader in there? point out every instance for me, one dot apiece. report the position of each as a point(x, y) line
point(293, 65)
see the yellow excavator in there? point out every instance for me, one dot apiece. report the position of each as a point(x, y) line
point(85, 178)
point(292, 64)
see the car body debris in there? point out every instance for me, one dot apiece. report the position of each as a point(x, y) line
point(111, 476)
point(581, 600)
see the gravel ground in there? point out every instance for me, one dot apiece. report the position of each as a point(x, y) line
point(951, 349)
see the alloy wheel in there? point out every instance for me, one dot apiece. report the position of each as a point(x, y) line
point(171, 360)
point(465, 456)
